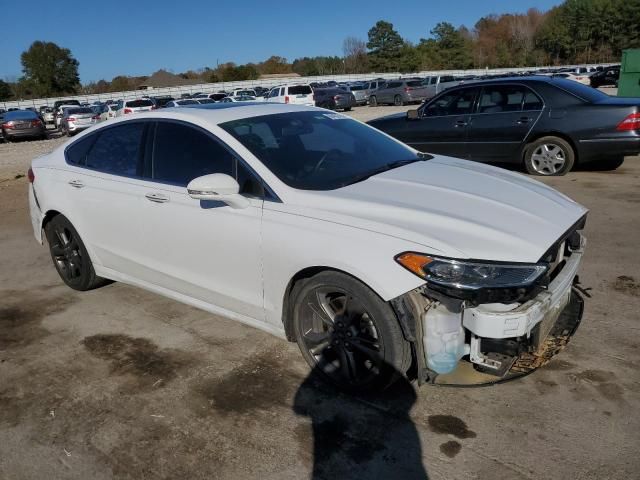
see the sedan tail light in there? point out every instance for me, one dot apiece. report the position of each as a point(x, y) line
point(631, 122)
point(36, 123)
point(128, 110)
point(8, 125)
point(30, 175)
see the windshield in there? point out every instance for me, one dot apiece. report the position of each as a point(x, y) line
point(318, 150)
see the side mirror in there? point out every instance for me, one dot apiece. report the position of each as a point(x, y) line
point(413, 115)
point(217, 187)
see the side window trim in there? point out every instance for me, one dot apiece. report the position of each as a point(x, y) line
point(269, 194)
point(448, 91)
point(520, 85)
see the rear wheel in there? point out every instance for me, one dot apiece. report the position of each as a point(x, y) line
point(610, 164)
point(347, 334)
point(373, 101)
point(69, 255)
point(347, 109)
point(549, 156)
point(397, 101)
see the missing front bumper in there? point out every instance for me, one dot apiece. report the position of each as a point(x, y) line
point(551, 344)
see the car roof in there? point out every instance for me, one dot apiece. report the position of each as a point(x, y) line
point(217, 113)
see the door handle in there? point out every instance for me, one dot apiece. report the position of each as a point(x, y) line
point(76, 183)
point(157, 197)
point(523, 120)
point(460, 123)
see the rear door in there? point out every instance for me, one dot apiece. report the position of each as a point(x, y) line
point(504, 116)
point(109, 194)
point(442, 124)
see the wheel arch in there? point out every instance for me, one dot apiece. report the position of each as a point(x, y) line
point(551, 133)
point(298, 279)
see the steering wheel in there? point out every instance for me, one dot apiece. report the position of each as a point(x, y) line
point(333, 151)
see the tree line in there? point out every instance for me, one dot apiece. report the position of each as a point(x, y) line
point(577, 31)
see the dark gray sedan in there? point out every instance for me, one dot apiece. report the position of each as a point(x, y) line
point(334, 99)
point(22, 124)
point(548, 125)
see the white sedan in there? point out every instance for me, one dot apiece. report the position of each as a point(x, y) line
point(376, 259)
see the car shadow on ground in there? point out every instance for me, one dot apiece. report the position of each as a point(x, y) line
point(361, 436)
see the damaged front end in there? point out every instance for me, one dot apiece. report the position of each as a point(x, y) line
point(493, 335)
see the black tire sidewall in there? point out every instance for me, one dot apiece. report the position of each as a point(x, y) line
point(373, 103)
point(396, 102)
point(396, 350)
point(87, 279)
point(569, 155)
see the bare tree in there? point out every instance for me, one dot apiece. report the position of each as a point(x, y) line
point(355, 55)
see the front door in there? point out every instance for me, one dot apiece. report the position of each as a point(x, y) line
point(202, 249)
point(442, 124)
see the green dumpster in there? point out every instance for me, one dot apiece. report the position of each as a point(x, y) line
point(629, 83)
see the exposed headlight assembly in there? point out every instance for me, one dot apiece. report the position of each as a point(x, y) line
point(470, 275)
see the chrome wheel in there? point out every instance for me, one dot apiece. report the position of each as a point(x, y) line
point(340, 336)
point(66, 253)
point(548, 159)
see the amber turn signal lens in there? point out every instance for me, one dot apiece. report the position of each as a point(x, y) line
point(414, 262)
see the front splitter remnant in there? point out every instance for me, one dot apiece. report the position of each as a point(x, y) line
point(558, 337)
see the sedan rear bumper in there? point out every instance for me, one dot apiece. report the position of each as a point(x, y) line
point(607, 148)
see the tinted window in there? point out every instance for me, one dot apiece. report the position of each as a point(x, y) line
point(531, 101)
point(317, 150)
point(20, 115)
point(139, 103)
point(447, 78)
point(433, 81)
point(300, 90)
point(394, 84)
point(355, 88)
point(78, 111)
point(415, 83)
point(579, 90)
point(459, 102)
point(117, 149)
point(77, 153)
point(182, 153)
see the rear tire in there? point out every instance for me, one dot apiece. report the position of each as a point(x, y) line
point(347, 334)
point(397, 101)
point(348, 109)
point(69, 255)
point(549, 156)
point(373, 101)
point(610, 164)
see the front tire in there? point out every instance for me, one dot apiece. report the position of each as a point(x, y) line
point(373, 101)
point(347, 334)
point(69, 255)
point(549, 156)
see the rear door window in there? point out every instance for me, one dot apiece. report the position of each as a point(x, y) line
point(507, 98)
point(117, 150)
point(394, 84)
point(76, 153)
point(182, 153)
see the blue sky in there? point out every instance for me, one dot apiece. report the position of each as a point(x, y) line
point(138, 37)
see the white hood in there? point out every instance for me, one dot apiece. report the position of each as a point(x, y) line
point(453, 208)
